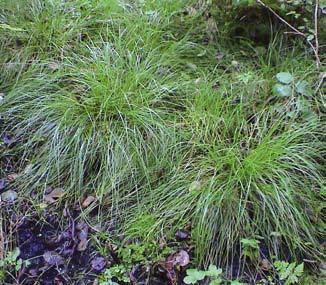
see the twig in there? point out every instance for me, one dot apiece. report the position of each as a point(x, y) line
point(316, 33)
point(297, 32)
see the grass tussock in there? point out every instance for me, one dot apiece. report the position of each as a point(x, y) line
point(140, 104)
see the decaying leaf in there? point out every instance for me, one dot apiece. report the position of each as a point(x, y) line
point(9, 196)
point(54, 195)
point(53, 66)
point(89, 200)
point(265, 265)
point(52, 258)
point(182, 235)
point(181, 258)
point(12, 177)
point(98, 263)
point(82, 235)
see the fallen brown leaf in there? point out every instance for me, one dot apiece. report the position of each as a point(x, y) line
point(181, 258)
point(265, 265)
point(54, 195)
point(98, 263)
point(12, 177)
point(82, 235)
point(9, 196)
point(89, 200)
point(52, 258)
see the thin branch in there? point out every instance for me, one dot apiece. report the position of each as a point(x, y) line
point(297, 32)
point(316, 32)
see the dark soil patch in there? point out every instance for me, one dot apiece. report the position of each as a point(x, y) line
point(52, 254)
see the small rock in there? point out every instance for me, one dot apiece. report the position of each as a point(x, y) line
point(9, 196)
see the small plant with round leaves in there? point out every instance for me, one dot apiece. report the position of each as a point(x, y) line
point(195, 275)
point(113, 275)
point(11, 263)
point(298, 91)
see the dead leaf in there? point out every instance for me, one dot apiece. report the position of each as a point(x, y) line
point(89, 200)
point(98, 263)
point(9, 196)
point(53, 66)
point(265, 265)
point(181, 258)
point(12, 177)
point(181, 235)
point(82, 235)
point(52, 258)
point(54, 195)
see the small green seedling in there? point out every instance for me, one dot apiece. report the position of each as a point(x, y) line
point(287, 86)
point(194, 275)
point(250, 248)
point(11, 262)
point(117, 272)
point(212, 273)
point(289, 272)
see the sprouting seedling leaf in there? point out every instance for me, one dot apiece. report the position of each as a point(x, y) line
point(217, 281)
point(282, 90)
point(193, 276)
point(213, 271)
point(284, 77)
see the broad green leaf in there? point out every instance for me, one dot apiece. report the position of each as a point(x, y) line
point(284, 77)
point(213, 271)
point(189, 280)
point(217, 281)
point(299, 269)
point(282, 90)
point(302, 87)
point(194, 275)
